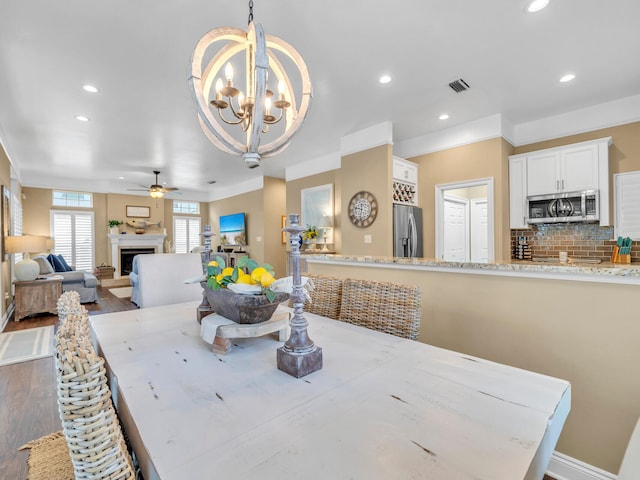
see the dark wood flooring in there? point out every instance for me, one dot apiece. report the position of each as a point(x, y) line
point(28, 406)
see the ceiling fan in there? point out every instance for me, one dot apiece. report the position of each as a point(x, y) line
point(156, 190)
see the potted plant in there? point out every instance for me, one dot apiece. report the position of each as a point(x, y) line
point(240, 296)
point(310, 234)
point(113, 226)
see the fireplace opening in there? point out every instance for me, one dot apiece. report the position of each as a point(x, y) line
point(126, 258)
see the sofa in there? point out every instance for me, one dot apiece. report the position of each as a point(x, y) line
point(159, 279)
point(84, 283)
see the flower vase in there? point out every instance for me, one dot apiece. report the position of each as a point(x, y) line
point(113, 230)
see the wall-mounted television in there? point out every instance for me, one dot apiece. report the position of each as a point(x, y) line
point(233, 230)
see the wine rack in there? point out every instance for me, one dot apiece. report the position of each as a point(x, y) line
point(405, 193)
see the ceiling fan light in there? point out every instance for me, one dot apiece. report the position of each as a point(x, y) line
point(156, 193)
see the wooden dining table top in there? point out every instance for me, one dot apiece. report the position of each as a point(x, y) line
point(382, 407)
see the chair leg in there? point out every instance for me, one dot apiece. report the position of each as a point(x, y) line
point(221, 345)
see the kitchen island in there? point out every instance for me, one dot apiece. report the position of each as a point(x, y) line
point(571, 321)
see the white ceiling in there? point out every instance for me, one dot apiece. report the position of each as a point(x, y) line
point(143, 119)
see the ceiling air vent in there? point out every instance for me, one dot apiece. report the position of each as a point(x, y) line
point(459, 85)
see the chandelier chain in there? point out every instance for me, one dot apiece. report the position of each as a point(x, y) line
point(250, 11)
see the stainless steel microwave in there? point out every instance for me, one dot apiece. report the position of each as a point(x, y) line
point(581, 206)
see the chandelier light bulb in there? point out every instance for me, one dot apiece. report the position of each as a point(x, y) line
point(228, 73)
point(267, 106)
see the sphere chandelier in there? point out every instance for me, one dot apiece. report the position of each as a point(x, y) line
point(237, 121)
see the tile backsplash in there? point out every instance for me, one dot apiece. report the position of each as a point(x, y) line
point(580, 240)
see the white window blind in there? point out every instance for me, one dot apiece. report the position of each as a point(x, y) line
point(627, 205)
point(73, 236)
point(186, 233)
point(16, 218)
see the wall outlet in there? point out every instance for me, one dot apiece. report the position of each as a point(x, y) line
point(367, 239)
point(258, 239)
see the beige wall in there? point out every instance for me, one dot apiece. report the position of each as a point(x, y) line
point(488, 159)
point(579, 331)
point(370, 170)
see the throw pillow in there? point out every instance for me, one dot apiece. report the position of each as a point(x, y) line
point(45, 267)
point(57, 264)
point(66, 266)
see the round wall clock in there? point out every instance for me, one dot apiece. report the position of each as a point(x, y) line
point(363, 208)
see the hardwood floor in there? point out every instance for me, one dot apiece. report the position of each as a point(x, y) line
point(28, 407)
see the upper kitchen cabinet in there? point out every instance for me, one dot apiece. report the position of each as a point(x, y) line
point(405, 182)
point(572, 168)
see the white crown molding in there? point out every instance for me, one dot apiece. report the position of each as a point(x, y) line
point(604, 115)
point(472, 132)
point(237, 189)
point(307, 168)
point(380, 134)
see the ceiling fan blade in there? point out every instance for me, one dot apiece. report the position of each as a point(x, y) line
point(170, 189)
point(137, 190)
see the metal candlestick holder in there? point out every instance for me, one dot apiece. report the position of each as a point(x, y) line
point(205, 308)
point(299, 356)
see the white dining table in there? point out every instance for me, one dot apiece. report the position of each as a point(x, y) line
point(382, 407)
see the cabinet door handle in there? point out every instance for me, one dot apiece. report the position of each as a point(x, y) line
point(562, 184)
point(557, 184)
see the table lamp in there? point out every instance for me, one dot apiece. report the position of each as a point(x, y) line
point(326, 224)
point(26, 269)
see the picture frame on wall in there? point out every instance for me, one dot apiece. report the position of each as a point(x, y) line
point(316, 202)
point(134, 211)
point(284, 224)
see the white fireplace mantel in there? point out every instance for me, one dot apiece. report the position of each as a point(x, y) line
point(145, 240)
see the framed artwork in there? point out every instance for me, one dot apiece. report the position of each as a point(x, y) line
point(138, 212)
point(6, 219)
point(316, 203)
point(284, 224)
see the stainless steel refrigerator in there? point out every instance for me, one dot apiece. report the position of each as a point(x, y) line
point(407, 231)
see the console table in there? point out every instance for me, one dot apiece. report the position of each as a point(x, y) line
point(37, 296)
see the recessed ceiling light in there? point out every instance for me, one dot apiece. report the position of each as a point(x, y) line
point(444, 116)
point(567, 78)
point(90, 88)
point(82, 118)
point(537, 5)
point(385, 79)
point(120, 178)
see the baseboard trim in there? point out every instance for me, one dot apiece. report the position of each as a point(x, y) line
point(564, 467)
point(7, 316)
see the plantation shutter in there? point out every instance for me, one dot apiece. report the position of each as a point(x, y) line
point(186, 233)
point(74, 238)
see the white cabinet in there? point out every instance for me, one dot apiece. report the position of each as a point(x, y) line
point(518, 192)
point(572, 168)
point(405, 182)
point(568, 169)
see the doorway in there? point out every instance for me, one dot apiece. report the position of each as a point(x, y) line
point(464, 221)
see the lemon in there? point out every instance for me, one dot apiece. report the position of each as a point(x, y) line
point(227, 271)
point(266, 279)
point(246, 279)
point(257, 273)
point(212, 263)
point(219, 278)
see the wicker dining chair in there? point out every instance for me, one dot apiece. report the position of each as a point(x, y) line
point(325, 296)
point(387, 307)
point(89, 423)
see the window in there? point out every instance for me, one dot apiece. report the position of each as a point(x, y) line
point(72, 199)
point(186, 233)
point(73, 237)
point(186, 207)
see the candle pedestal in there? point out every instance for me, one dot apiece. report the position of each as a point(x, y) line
point(299, 356)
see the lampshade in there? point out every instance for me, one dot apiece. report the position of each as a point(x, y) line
point(26, 269)
point(26, 244)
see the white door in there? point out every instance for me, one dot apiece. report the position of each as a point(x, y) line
point(456, 230)
point(479, 230)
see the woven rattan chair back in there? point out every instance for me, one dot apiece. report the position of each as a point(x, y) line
point(383, 306)
point(325, 296)
point(91, 428)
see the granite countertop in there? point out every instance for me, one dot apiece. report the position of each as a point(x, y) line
point(573, 269)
